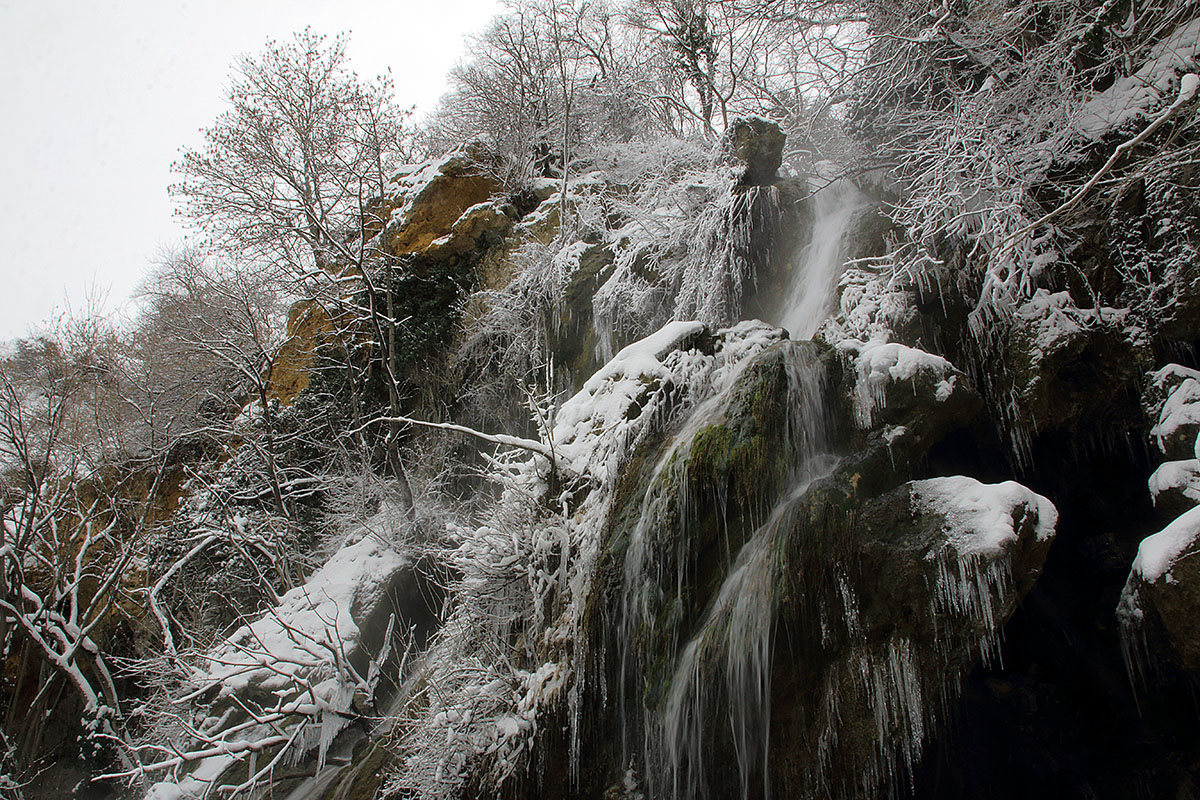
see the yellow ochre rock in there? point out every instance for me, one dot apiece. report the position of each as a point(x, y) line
point(308, 326)
point(429, 199)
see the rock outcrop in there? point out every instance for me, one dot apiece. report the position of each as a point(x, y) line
point(1159, 608)
point(794, 554)
point(309, 328)
point(428, 209)
point(756, 145)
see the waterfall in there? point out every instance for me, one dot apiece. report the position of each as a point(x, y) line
point(720, 667)
point(689, 673)
point(719, 677)
point(812, 288)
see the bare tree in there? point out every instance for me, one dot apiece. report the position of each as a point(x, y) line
point(65, 521)
point(289, 170)
point(545, 79)
point(227, 316)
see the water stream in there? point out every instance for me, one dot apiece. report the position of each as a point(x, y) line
point(721, 678)
point(812, 289)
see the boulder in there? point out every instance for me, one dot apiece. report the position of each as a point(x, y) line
point(756, 145)
point(1067, 368)
point(902, 401)
point(1159, 608)
point(1175, 487)
point(301, 672)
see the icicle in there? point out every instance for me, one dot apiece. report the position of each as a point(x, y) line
point(972, 586)
point(1135, 650)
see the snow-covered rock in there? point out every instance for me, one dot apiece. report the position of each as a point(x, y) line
point(1159, 609)
point(1172, 404)
point(289, 681)
point(1155, 84)
point(887, 369)
point(901, 400)
point(1158, 553)
point(873, 307)
point(1175, 486)
point(427, 201)
point(314, 626)
point(984, 519)
point(647, 380)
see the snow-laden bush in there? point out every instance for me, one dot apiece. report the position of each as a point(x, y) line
point(658, 231)
point(1000, 125)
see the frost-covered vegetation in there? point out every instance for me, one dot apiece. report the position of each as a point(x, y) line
point(477, 476)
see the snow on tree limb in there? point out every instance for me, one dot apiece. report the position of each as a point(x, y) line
point(502, 439)
point(1188, 86)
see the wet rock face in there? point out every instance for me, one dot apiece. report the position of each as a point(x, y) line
point(813, 614)
point(757, 144)
point(893, 603)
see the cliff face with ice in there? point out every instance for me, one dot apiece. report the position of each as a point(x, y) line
point(752, 511)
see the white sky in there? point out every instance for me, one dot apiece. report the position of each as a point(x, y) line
point(96, 98)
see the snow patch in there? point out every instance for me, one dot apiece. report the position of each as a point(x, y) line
point(1138, 95)
point(983, 518)
point(1156, 554)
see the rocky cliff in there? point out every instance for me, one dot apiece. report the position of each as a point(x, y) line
point(868, 554)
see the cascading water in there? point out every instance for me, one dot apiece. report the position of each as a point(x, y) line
point(812, 288)
point(720, 673)
point(735, 636)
